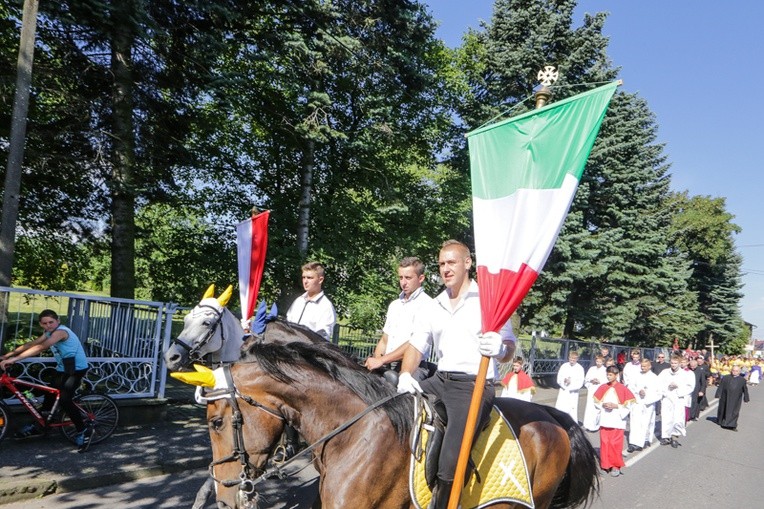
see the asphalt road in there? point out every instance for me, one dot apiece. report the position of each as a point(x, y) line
point(714, 468)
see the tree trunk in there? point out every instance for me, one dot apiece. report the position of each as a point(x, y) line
point(123, 155)
point(303, 218)
point(16, 143)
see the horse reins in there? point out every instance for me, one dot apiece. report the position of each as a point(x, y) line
point(246, 481)
point(193, 351)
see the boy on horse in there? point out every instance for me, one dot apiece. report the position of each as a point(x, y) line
point(452, 324)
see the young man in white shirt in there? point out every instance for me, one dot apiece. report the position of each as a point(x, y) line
point(452, 325)
point(401, 313)
point(313, 309)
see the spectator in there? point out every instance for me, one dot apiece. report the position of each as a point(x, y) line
point(660, 363)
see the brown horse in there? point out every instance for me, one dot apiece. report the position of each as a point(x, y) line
point(316, 389)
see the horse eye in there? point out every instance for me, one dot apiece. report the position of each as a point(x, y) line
point(216, 423)
point(206, 323)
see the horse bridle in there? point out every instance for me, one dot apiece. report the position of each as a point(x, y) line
point(239, 452)
point(247, 481)
point(193, 351)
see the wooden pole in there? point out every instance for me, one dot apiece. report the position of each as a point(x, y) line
point(469, 433)
point(12, 187)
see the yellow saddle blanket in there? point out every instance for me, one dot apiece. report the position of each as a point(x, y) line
point(499, 462)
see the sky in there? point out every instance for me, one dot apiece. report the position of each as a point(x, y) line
point(696, 63)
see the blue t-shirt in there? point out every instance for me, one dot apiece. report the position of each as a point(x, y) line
point(69, 347)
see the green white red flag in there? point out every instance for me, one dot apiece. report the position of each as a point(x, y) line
point(525, 171)
point(251, 245)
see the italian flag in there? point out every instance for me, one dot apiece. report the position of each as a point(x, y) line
point(251, 245)
point(525, 171)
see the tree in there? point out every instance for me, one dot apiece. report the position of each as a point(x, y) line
point(702, 230)
point(611, 274)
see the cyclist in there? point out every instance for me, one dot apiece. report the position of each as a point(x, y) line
point(71, 366)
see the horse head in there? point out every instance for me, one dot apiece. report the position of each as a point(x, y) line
point(244, 431)
point(209, 332)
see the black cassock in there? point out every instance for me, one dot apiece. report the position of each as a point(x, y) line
point(698, 403)
point(731, 392)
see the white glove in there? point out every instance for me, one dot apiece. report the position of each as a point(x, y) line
point(491, 344)
point(406, 383)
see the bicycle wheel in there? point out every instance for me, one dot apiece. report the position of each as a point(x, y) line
point(99, 411)
point(5, 419)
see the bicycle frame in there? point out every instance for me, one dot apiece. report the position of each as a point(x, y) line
point(15, 385)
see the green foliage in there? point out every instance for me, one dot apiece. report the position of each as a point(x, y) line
point(351, 112)
point(57, 262)
point(180, 254)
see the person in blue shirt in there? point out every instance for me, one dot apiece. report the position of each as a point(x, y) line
point(71, 366)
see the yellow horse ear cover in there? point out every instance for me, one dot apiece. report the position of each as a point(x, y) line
point(225, 296)
point(202, 377)
point(209, 293)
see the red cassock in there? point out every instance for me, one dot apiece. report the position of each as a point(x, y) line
point(611, 436)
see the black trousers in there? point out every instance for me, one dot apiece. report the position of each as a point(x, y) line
point(68, 385)
point(453, 392)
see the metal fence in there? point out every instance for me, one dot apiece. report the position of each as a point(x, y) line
point(542, 356)
point(122, 338)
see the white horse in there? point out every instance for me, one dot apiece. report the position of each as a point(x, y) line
point(211, 334)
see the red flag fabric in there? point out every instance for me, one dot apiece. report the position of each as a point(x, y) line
point(252, 244)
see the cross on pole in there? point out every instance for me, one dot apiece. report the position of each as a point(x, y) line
point(711, 346)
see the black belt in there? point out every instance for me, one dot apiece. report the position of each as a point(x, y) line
point(458, 376)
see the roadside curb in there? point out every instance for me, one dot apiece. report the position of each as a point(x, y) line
point(18, 491)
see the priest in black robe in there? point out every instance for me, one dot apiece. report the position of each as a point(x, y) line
point(699, 392)
point(731, 392)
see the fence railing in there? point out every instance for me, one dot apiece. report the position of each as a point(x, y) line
point(124, 340)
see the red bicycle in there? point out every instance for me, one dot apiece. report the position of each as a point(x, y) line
point(100, 412)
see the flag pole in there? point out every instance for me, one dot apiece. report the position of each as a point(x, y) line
point(542, 96)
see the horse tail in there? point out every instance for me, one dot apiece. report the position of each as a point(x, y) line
point(581, 482)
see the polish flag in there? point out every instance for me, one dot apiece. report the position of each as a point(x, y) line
point(252, 243)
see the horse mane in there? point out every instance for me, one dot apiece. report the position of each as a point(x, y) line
point(284, 362)
point(296, 328)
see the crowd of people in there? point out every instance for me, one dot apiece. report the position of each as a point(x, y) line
point(625, 399)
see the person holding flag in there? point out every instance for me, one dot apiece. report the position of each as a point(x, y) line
point(452, 325)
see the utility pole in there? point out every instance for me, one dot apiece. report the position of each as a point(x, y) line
point(16, 145)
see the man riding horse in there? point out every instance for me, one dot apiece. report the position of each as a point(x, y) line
point(451, 323)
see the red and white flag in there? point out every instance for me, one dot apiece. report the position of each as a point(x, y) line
point(252, 243)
